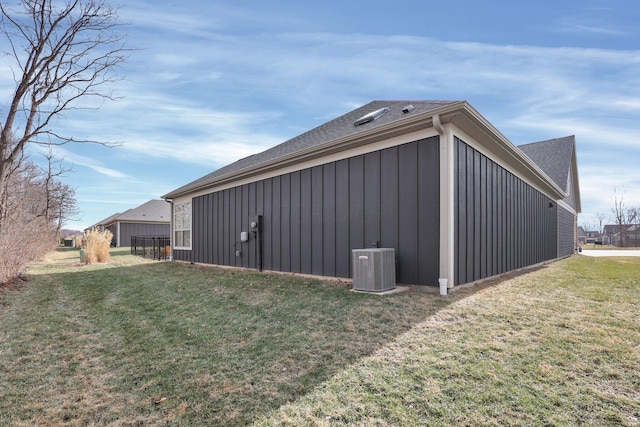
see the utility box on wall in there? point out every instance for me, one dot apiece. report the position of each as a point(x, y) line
point(374, 269)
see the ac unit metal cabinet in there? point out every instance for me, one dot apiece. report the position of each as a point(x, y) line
point(374, 269)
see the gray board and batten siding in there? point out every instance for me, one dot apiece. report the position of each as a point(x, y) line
point(314, 217)
point(502, 223)
point(436, 182)
point(129, 229)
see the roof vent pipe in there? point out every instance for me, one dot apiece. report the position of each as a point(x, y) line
point(371, 116)
point(407, 109)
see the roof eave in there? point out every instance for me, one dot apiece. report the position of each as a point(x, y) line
point(507, 150)
point(454, 112)
point(409, 124)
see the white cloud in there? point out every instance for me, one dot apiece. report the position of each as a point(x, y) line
point(91, 163)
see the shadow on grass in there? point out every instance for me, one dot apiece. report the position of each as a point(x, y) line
point(197, 345)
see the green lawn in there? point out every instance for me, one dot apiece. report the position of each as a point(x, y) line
point(135, 343)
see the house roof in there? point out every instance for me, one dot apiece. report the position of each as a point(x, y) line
point(338, 128)
point(557, 158)
point(151, 211)
point(554, 157)
point(392, 118)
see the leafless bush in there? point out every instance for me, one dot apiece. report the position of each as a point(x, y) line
point(96, 245)
point(24, 239)
point(28, 232)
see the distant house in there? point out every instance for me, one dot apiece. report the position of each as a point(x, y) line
point(593, 237)
point(582, 236)
point(623, 235)
point(434, 180)
point(152, 218)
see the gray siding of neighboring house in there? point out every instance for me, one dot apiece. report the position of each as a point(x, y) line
point(113, 228)
point(128, 229)
point(566, 232)
point(313, 218)
point(502, 223)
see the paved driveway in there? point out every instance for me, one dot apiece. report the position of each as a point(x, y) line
point(612, 252)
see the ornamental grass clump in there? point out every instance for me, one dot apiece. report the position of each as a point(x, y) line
point(96, 246)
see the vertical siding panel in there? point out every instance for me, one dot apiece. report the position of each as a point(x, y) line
point(329, 219)
point(407, 253)
point(232, 236)
point(372, 198)
point(470, 215)
point(500, 201)
point(483, 218)
point(267, 220)
point(497, 205)
point(239, 226)
point(243, 218)
point(356, 202)
point(343, 250)
point(219, 227)
point(509, 222)
point(211, 225)
point(295, 222)
point(389, 198)
point(305, 222)
point(317, 231)
point(260, 211)
point(252, 211)
point(477, 212)
point(217, 220)
point(461, 209)
point(285, 223)
point(227, 244)
point(276, 210)
point(428, 211)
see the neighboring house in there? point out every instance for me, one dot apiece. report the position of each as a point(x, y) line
point(593, 237)
point(624, 235)
point(582, 236)
point(432, 179)
point(152, 218)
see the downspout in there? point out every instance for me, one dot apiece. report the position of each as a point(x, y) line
point(447, 207)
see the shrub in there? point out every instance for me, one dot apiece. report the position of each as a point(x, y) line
point(96, 245)
point(23, 239)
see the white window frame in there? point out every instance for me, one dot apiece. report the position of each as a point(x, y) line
point(182, 223)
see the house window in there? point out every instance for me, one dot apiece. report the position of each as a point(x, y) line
point(182, 225)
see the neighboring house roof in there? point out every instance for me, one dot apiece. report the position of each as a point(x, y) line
point(581, 232)
point(106, 221)
point(556, 157)
point(344, 133)
point(151, 211)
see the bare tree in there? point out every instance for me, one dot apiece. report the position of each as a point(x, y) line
point(63, 52)
point(601, 218)
point(59, 198)
point(623, 216)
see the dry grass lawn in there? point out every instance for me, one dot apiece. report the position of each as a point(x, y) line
point(135, 342)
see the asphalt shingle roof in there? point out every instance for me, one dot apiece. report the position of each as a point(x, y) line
point(340, 127)
point(151, 211)
point(554, 157)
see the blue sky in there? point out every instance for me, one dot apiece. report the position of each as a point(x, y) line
point(214, 81)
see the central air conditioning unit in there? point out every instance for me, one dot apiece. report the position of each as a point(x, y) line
point(374, 269)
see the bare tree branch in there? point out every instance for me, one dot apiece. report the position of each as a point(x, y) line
point(64, 53)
